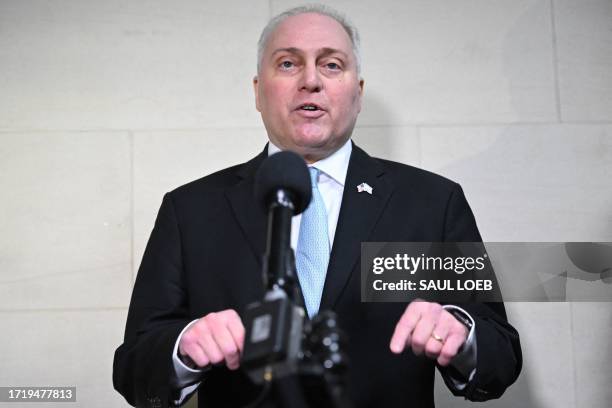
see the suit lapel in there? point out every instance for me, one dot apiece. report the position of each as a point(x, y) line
point(250, 217)
point(359, 214)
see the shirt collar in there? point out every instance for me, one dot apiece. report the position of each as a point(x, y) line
point(335, 166)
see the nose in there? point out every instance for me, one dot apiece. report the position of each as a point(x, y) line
point(311, 80)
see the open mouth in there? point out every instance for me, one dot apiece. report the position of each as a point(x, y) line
point(310, 107)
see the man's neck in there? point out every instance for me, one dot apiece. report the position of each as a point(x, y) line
point(335, 165)
point(309, 158)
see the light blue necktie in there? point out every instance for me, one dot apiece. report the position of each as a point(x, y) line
point(312, 255)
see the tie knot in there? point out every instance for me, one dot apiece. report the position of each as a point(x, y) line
point(314, 176)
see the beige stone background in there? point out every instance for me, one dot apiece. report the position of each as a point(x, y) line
point(106, 105)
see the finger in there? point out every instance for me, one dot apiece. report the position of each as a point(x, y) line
point(424, 329)
point(189, 348)
point(434, 344)
point(404, 328)
point(440, 332)
point(433, 348)
point(228, 348)
point(421, 334)
point(210, 348)
point(450, 349)
point(193, 353)
point(236, 328)
point(225, 343)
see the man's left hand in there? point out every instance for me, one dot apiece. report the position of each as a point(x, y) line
point(427, 328)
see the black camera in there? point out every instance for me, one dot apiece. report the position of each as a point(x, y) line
point(280, 343)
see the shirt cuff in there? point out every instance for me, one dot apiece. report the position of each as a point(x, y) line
point(186, 379)
point(465, 361)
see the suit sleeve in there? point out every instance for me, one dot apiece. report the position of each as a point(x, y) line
point(499, 357)
point(142, 368)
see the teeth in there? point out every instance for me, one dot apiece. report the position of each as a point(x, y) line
point(309, 107)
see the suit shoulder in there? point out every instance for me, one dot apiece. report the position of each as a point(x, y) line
point(416, 178)
point(216, 182)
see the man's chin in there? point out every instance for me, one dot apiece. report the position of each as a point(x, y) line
point(316, 149)
point(311, 139)
point(313, 143)
point(312, 146)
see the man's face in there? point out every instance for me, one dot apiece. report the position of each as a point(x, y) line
point(308, 90)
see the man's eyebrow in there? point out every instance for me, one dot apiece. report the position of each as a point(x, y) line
point(323, 51)
point(290, 50)
point(328, 51)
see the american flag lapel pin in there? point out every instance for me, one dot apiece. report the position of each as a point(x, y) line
point(364, 187)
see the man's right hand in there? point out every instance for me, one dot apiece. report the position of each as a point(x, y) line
point(213, 339)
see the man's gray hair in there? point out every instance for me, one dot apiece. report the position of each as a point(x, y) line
point(322, 9)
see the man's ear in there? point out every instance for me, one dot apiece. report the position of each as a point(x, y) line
point(256, 89)
point(361, 82)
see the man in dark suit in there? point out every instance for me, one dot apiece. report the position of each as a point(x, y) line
point(202, 265)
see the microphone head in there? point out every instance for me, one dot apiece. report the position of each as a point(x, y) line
point(283, 170)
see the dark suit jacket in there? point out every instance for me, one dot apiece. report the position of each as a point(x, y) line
point(204, 255)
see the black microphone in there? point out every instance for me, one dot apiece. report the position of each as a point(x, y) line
point(273, 337)
point(283, 189)
point(285, 171)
